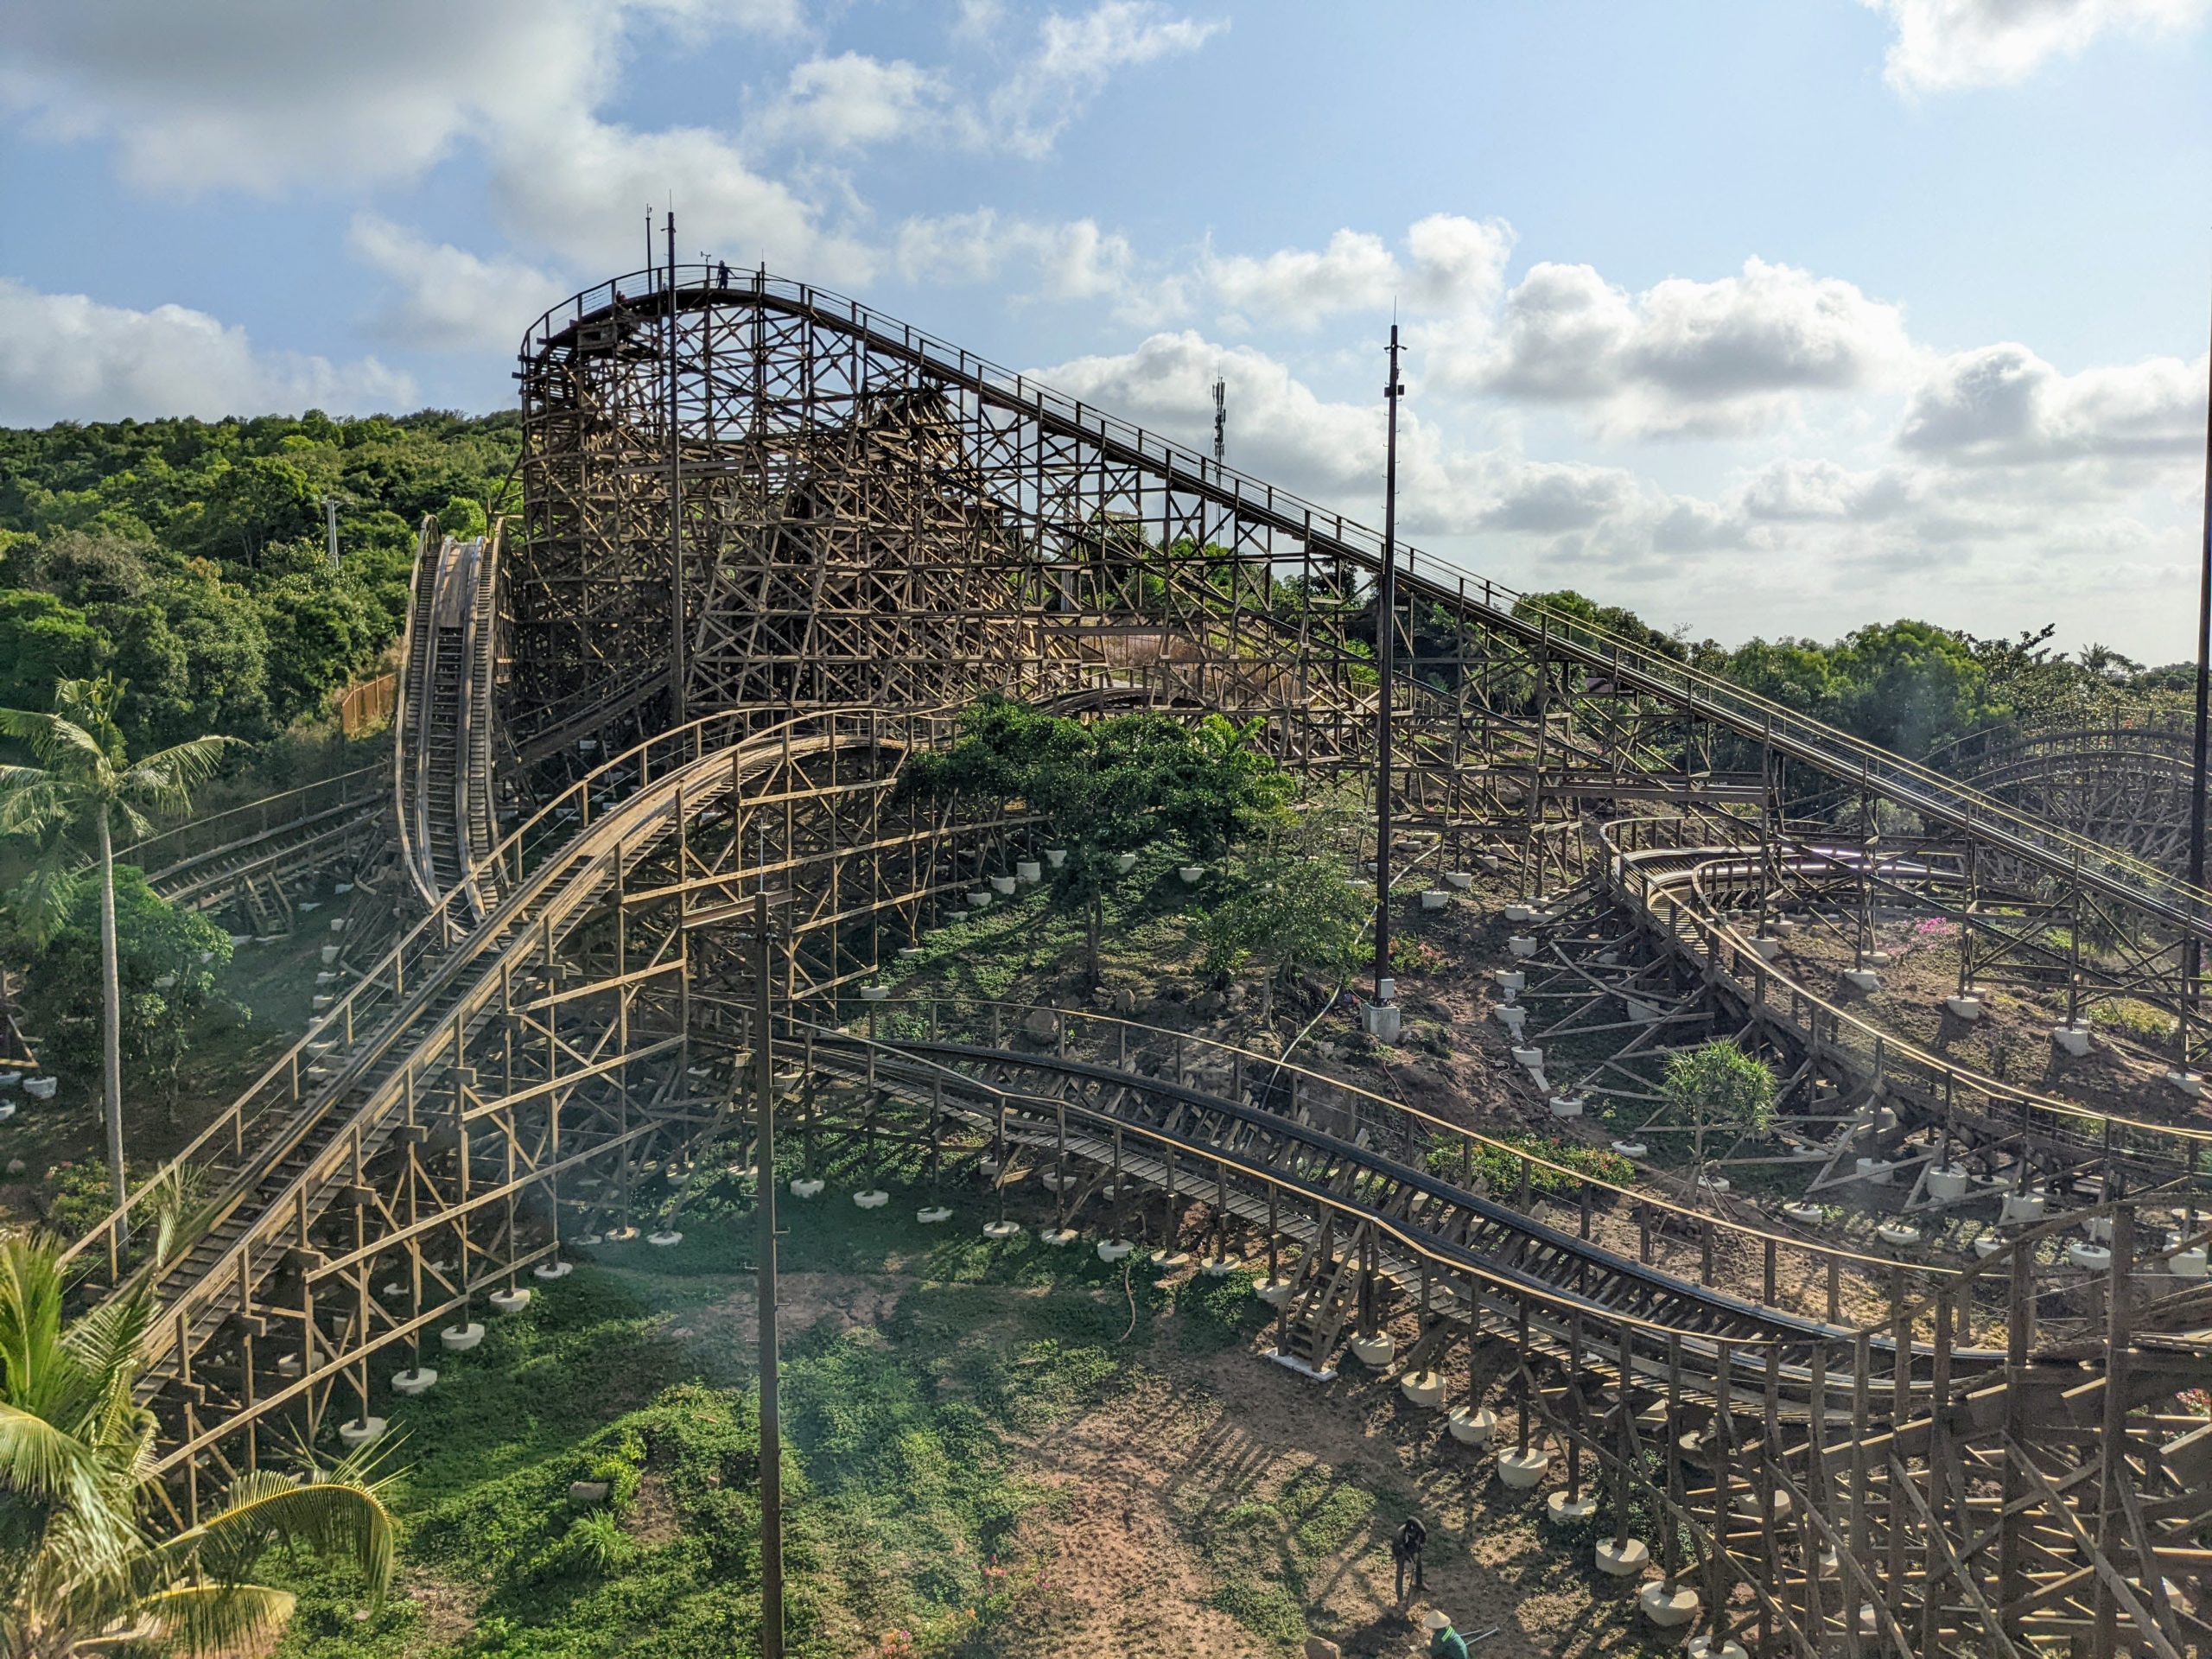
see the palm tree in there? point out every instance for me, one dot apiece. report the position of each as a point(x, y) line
point(79, 1576)
point(85, 784)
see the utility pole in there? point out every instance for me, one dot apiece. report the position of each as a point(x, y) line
point(1386, 599)
point(772, 1449)
point(677, 612)
point(330, 525)
point(2192, 964)
point(1220, 418)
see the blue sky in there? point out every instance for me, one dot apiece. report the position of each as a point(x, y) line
point(1780, 317)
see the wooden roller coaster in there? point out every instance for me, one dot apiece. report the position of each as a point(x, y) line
point(785, 539)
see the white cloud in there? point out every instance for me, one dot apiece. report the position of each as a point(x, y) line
point(1941, 45)
point(580, 187)
point(2002, 403)
point(445, 299)
point(1684, 358)
point(259, 95)
point(1071, 260)
point(1453, 263)
point(1073, 58)
point(67, 357)
point(851, 101)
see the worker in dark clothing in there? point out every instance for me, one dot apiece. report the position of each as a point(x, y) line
point(1444, 1642)
point(1406, 1546)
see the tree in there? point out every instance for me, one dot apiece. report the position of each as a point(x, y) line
point(85, 784)
point(167, 960)
point(1717, 1085)
point(1292, 910)
point(1105, 789)
point(79, 1575)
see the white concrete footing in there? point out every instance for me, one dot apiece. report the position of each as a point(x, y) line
point(1947, 1183)
point(667, 1238)
point(2189, 1083)
point(460, 1338)
point(2093, 1257)
point(1221, 1266)
point(362, 1431)
point(510, 1301)
point(1862, 979)
point(1624, 1560)
point(1806, 1215)
point(874, 1199)
point(1275, 1292)
point(1631, 1148)
point(930, 1215)
point(1669, 1607)
point(806, 1187)
point(1376, 1350)
point(1059, 1237)
point(1563, 1512)
point(1968, 1008)
point(420, 1379)
point(551, 1270)
point(1704, 1647)
point(1435, 898)
point(1001, 1230)
point(1522, 1469)
point(1113, 1249)
point(2021, 1209)
point(2072, 1040)
point(1423, 1388)
point(1567, 1105)
point(1523, 945)
point(1876, 1171)
point(1897, 1232)
point(1476, 1427)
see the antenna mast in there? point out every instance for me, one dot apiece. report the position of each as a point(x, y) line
point(1220, 416)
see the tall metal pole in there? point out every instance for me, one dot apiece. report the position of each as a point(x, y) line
point(330, 522)
point(1386, 600)
point(676, 667)
point(2193, 949)
point(771, 1450)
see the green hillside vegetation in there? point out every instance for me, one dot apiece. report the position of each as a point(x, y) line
point(187, 557)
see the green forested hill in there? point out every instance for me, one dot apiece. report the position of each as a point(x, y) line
point(188, 557)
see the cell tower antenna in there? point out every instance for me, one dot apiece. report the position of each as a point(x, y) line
point(1220, 416)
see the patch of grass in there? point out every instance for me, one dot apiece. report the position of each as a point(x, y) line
point(1268, 1553)
point(903, 1503)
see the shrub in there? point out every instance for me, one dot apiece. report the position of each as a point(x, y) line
point(2130, 1018)
point(1501, 1170)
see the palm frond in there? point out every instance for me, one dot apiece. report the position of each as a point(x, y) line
point(61, 744)
point(215, 1619)
point(45, 1462)
point(33, 800)
point(165, 780)
point(338, 1518)
point(47, 892)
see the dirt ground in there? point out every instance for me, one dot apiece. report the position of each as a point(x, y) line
point(1138, 1481)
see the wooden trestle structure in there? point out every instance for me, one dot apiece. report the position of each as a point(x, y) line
point(786, 539)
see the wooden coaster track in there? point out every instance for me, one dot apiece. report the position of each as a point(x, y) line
point(815, 534)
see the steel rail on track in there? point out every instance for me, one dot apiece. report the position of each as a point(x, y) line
point(1848, 758)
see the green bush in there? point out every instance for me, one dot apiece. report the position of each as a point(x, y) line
point(1501, 1169)
point(2131, 1019)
